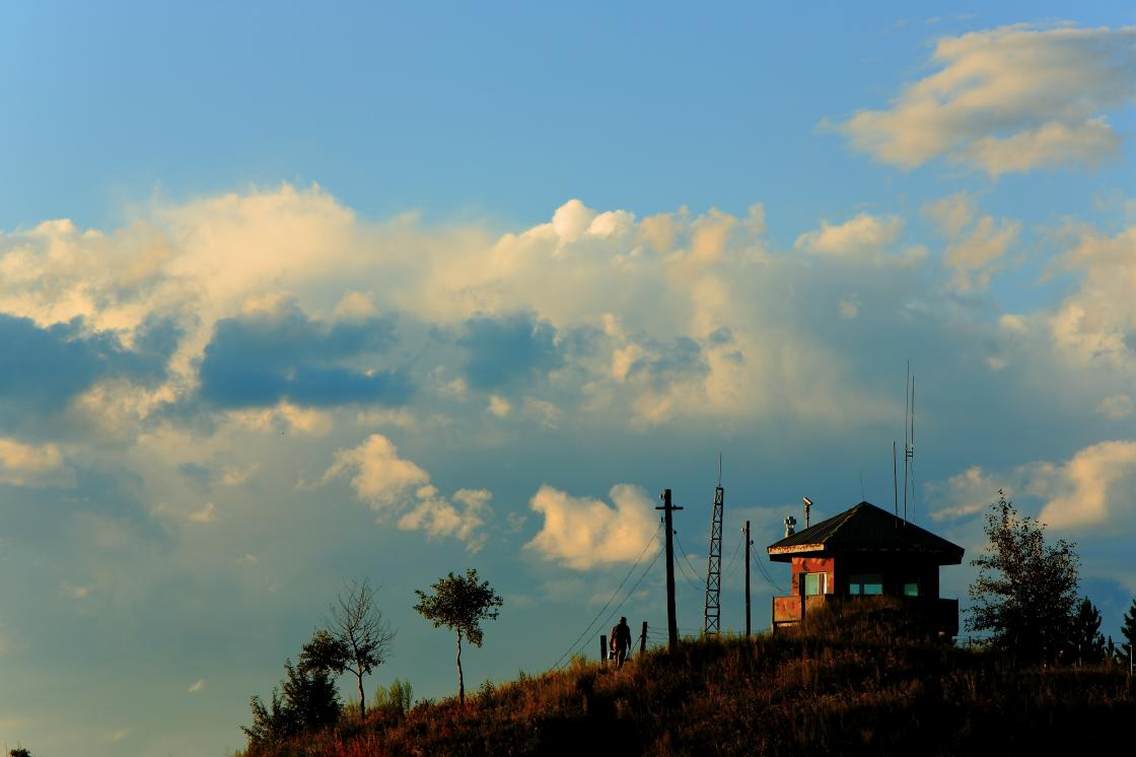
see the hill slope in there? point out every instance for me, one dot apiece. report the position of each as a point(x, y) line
point(764, 696)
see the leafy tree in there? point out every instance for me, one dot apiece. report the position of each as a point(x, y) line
point(306, 700)
point(1128, 631)
point(1087, 643)
point(1026, 589)
point(19, 752)
point(460, 603)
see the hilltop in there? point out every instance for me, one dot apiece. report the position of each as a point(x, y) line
point(823, 693)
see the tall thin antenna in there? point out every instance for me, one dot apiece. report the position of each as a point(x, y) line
point(913, 490)
point(894, 480)
point(719, 468)
point(906, 434)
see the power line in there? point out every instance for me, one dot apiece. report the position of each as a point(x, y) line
point(689, 565)
point(635, 588)
point(732, 560)
point(588, 629)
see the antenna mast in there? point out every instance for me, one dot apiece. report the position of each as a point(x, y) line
point(712, 620)
point(908, 450)
point(894, 480)
point(913, 490)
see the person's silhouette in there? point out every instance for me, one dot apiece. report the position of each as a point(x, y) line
point(620, 641)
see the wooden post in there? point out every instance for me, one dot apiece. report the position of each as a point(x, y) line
point(643, 639)
point(672, 614)
point(603, 648)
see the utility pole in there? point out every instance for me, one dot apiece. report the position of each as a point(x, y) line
point(672, 616)
point(747, 543)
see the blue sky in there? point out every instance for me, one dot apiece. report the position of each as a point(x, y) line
point(296, 295)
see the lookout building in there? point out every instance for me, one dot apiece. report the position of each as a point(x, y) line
point(866, 551)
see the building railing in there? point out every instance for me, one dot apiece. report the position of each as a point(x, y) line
point(937, 614)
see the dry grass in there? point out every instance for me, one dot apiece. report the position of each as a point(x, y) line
point(825, 692)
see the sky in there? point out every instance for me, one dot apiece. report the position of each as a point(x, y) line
point(296, 294)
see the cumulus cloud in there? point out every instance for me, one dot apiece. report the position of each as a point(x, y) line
point(1008, 99)
point(976, 244)
point(379, 475)
point(206, 514)
point(29, 464)
point(461, 517)
point(1095, 326)
point(392, 485)
point(862, 239)
point(583, 533)
point(1095, 488)
point(1116, 406)
point(967, 493)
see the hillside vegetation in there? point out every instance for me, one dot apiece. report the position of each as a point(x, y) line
point(841, 688)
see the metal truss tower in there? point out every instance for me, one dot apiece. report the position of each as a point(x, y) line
point(714, 565)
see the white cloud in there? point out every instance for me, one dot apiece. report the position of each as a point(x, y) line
point(1116, 407)
point(462, 517)
point(196, 686)
point(1096, 324)
point(584, 533)
point(1008, 99)
point(394, 485)
point(24, 464)
point(862, 234)
point(499, 406)
point(1095, 486)
point(378, 475)
point(74, 591)
point(975, 244)
point(206, 514)
point(966, 493)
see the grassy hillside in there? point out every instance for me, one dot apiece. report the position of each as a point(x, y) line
point(823, 693)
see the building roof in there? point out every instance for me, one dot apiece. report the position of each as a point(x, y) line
point(866, 528)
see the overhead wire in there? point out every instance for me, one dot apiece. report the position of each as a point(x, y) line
point(630, 572)
point(690, 567)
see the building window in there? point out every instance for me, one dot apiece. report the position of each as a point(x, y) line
point(815, 583)
point(911, 589)
point(866, 584)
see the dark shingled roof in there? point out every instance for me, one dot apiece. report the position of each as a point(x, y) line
point(866, 528)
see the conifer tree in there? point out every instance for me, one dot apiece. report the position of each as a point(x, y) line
point(1086, 643)
point(1128, 631)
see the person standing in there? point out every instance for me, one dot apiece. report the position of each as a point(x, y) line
point(620, 641)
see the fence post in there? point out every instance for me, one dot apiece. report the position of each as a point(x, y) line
point(643, 639)
point(603, 648)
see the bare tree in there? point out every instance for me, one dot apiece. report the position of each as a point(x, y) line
point(359, 636)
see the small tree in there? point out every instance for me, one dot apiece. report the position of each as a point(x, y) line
point(358, 639)
point(1026, 589)
point(1128, 631)
point(460, 603)
point(1087, 643)
point(305, 700)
